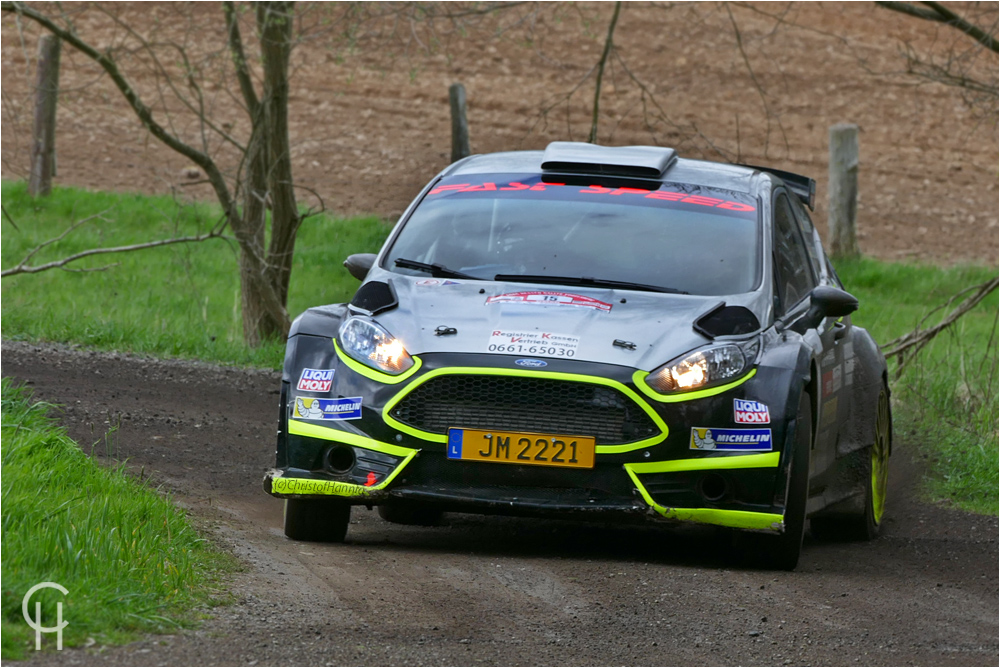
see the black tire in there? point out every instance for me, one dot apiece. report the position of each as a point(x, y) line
point(317, 520)
point(782, 552)
point(875, 473)
point(408, 513)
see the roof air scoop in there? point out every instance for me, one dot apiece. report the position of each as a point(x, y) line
point(636, 161)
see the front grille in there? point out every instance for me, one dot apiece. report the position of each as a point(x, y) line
point(515, 403)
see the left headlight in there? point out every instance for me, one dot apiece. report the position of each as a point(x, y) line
point(370, 344)
point(704, 368)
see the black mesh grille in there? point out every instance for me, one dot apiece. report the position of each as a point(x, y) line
point(525, 404)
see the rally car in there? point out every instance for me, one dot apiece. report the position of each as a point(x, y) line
point(592, 332)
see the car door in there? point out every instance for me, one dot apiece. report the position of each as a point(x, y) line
point(796, 274)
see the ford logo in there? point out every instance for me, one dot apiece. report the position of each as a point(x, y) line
point(534, 364)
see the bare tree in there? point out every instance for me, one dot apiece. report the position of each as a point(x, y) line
point(199, 85)
point(262, 179)
point(957, 60)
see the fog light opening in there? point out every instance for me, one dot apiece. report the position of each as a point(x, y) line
point(340, 459)
point(713, 487)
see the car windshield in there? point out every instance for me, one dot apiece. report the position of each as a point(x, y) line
point(680, 237)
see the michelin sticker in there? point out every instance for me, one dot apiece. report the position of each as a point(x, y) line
point(308, 408)
point(548, 298)
point(315, 380)
point(547, 344)
point(750, 412)
point(730, 439)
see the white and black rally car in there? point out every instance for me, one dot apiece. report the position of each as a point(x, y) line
point(592, 332)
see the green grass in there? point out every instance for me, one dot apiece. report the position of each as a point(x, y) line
point(176, 301)
point(129, 559)
point(945, 402)
point(184, 301)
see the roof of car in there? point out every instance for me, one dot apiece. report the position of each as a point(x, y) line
point(735, 178)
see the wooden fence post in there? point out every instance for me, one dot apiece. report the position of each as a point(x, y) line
point(843, 190)
point(459, 123)
point(43, 147)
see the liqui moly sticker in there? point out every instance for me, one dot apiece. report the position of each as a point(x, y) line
point(704, 438)
point(546, 298)
point(750, 412)
point(315, 380)
point(308, 408)
point(542, 344)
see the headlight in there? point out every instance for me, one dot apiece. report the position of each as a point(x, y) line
point(704, 368)
point(368, 343)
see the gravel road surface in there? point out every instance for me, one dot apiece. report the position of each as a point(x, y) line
point(503, 591)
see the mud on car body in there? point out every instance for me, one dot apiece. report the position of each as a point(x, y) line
point(592, 332)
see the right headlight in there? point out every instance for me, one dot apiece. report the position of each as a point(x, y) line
point(370, 344)
point(707, 367)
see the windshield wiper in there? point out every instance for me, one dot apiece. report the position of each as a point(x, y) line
point(585, 281)
point(435, 270)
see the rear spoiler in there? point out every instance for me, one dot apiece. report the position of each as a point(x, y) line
point(803, 187)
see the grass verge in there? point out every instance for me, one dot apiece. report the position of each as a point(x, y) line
point(128, 558)
point(176, 301)
point(945, 401)
point(184, 301)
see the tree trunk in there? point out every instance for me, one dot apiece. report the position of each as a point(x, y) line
point(265, 267)
point(275, 22)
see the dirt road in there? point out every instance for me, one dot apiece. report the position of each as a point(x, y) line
point(499, 591)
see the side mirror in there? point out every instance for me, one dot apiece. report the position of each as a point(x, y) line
point(827, 302)
point(359, 264)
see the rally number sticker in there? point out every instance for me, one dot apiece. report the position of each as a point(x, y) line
point(549, 298)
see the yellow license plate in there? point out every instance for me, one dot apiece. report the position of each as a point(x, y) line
point(511, 447)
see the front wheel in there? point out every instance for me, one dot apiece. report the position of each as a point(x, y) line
point(317, 520)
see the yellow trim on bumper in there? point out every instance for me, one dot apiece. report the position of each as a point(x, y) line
point(760, 461)
point(524, 373)
point(309, 486)
point(372, 374)
point(639, 378)
point(300, 428)
point(736, 519)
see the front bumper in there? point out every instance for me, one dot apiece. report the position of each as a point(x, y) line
point(655, 476)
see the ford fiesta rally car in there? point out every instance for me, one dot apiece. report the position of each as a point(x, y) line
point(592, 332)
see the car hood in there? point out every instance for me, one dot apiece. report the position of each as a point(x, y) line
point(543, 321)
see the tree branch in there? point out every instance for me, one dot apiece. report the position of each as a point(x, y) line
point(608, 45)
point(908, 345)
point(942, 14)
point(144, 113)
point(760, 89)
point(23, 267)
point(240, 59)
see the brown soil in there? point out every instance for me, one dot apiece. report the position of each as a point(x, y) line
point(370, 123)
point(505, 591)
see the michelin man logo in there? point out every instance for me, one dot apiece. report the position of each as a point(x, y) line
point(308, 408)
point(36, 623)
point(703, 441)
point(343, 408)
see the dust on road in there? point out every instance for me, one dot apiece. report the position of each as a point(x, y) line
point(505, 591)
